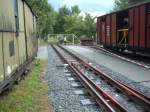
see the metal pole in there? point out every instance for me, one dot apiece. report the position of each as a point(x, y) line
point(72, 40)
point(96, 39)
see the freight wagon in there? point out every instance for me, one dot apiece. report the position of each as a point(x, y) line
point(18, 42)
point(126, 29)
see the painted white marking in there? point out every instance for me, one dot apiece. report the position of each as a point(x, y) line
point(90, 77)
point(87, 102)
point(68, 74)
point(65, 64)
point(70, 79)
point(75, 85)
point(79, 92)
point(116, 95)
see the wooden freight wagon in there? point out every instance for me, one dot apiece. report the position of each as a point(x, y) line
point(18, 43)
point(126, 29)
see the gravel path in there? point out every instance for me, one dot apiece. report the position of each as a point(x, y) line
point(42, 52)
point(61, 92)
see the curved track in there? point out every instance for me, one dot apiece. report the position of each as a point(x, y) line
point(110, 94)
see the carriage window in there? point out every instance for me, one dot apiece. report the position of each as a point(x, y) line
point(11, 48)
point(16, 17)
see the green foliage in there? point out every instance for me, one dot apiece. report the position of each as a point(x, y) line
point(75, 10)
point(64, 21)
point(69, 21)
point(60, 19)
point(45, 16)
point(29, 95)
point(53, 40)
point(121, 4)
point(89, 26)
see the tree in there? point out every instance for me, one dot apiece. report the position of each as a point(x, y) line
point(74, 24)
point(70, 21)
point(89, 26)
point(64, 21)
point(60, 19)
point(75, 10)
point(121, 4)
point(45, 16)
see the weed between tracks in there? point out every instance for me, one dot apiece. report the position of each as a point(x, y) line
point(30, 95)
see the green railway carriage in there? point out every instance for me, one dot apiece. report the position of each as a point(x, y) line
point(18, 42)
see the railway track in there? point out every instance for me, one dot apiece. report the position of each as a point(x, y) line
point(110, 95)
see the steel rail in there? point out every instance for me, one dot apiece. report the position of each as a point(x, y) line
point(101, 94)
point(110, 99)
point(132, 93)
point(97, 96)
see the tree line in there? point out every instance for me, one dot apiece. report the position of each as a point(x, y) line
point(66, 20)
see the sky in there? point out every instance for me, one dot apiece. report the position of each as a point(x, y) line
point(94, 7)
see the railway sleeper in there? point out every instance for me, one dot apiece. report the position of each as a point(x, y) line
point(131, 97)
point(95, 96)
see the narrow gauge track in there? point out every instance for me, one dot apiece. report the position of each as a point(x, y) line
point(110, 94)
point(139, 60)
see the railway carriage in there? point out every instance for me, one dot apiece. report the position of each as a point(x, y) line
point(126, 29)
point(18, 42)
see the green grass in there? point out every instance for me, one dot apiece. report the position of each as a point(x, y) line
point(30, 95)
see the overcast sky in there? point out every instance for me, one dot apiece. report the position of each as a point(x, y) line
point(94, 7)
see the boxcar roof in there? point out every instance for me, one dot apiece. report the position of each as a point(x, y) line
point(132, 6)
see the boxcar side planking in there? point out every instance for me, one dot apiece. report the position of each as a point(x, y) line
point(18, 41)
point(126, 29)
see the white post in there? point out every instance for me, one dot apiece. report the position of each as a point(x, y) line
point(96, 39)
point(73, 39)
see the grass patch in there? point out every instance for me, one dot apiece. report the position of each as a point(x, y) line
point(30, 95)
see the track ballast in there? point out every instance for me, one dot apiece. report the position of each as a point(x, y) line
point(110, 94)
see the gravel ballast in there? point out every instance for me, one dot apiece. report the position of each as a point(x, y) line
point(115, 75)
point(61, 91)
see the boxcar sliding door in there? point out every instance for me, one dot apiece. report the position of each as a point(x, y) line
point(103, 30)
point(137, 30)
point(113, 30)
point(108, 30)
